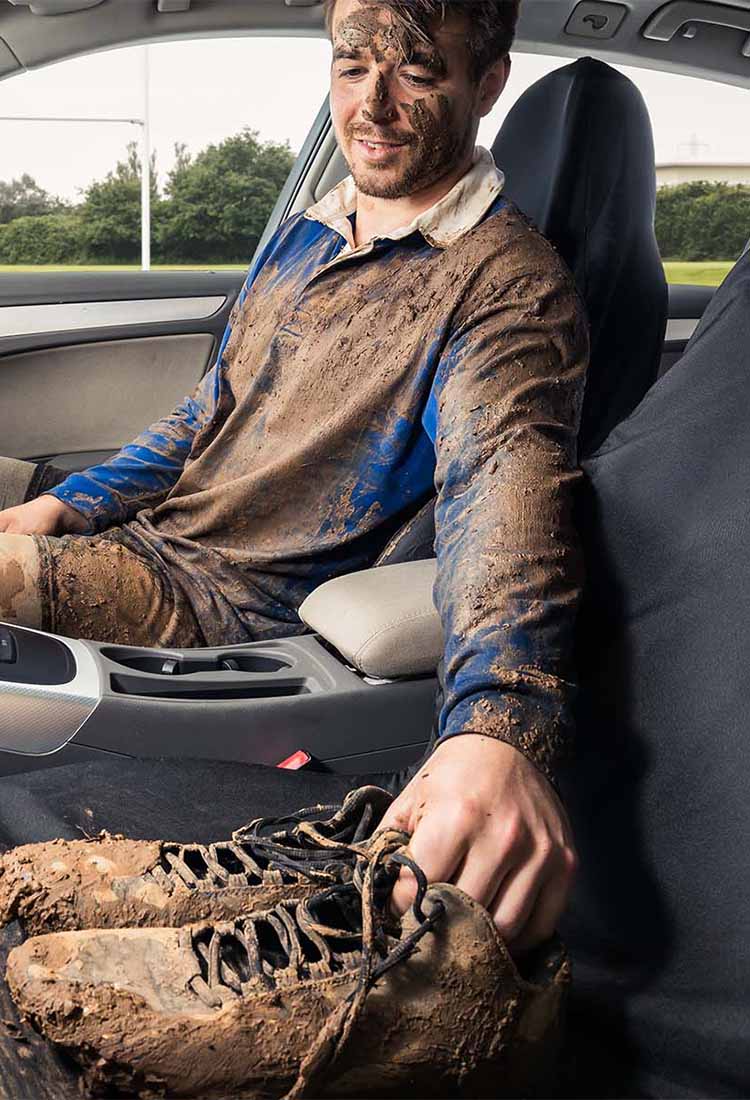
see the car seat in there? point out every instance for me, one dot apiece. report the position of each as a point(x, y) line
point(577, 150)
point(657, 787)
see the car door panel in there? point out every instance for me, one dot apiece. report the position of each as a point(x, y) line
point(687, 305)
point(88, 399)
point(88, 360)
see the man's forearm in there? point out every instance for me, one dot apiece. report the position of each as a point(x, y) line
point(509, 563)
point(508, 610)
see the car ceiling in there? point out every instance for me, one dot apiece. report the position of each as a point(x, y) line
point(709, 40)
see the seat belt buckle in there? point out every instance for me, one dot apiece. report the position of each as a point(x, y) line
point(298, 759)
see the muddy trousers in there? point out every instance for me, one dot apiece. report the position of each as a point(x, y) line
point(84, 587)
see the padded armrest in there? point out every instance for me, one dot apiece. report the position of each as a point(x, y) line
point(383, 620)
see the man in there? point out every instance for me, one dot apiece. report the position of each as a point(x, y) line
point(410, 328)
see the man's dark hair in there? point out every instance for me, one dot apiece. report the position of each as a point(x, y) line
point(492, 23)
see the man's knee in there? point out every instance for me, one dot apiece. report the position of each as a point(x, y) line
point(20, 581)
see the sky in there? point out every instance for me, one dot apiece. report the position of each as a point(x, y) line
point(204, 91)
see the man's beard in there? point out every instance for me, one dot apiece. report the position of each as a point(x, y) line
point(437, 145)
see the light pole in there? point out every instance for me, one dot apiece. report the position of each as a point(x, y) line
point(145, 125)
point(146, 166)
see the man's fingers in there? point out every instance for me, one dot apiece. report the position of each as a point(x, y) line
point(437, 849)
point(530, 903)
point(397, 816)
point(549, 907)
point(515, 901)
point(483, 872)
point(9, 524)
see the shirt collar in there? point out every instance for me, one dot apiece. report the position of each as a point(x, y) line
point(455, 214)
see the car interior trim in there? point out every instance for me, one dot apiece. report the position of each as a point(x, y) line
point(67, 317)
point(679, 15)
point(382, 621)
point(709, 53)
point(681, 328)
point(126, 383)
point(38, 719)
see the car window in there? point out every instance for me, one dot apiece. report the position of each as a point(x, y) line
point(702, 146)
point(225, 118)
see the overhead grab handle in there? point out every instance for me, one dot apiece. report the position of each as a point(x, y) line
point(55, 7)
point(670, 20)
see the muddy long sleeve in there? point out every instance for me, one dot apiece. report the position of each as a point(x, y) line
point(349, 375)
point(507, 400)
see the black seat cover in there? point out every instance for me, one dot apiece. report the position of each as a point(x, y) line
point(658, 791)
point(577, 150)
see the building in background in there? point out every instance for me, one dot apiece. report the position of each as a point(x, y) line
point(695, 161)
point(686, 171)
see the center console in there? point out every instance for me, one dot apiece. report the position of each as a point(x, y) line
point(63, 700)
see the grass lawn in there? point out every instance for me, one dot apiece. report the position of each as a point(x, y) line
point(18, 268)
point(710, 273)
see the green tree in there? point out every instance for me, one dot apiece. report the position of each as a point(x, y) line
point(24, 198)
point(719, 224)
point(702, 220)
point(673, 206)
point(42, 239)
point(218, 202)
point(111, 211)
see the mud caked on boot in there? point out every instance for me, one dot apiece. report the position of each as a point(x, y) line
point(329, 996)
point(113, 882)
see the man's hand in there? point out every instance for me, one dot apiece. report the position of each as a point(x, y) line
point(483, 817)
point(44, 516)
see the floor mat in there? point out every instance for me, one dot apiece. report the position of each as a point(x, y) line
point(190, 800)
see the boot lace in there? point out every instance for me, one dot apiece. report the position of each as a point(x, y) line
point(346, 927)
point(268, 851)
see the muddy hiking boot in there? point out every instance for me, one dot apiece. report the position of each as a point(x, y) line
point(329, 996)
point(113, 882)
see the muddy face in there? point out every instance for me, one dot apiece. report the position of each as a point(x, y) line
point(404, 104)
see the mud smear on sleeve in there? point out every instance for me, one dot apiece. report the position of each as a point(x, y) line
point(508, 550)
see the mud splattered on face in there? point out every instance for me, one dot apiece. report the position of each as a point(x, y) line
point(439, 145)
point(440, 129)
point(365, 30)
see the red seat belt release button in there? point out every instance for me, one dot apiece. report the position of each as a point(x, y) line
point(298, 759)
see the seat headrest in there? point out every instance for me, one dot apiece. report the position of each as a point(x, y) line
point(577, 150)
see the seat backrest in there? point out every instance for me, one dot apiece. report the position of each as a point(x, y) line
point(657, 785)
point(577, 150)
point(578, 153)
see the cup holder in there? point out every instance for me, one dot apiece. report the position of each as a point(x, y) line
point(239, 675)
point(162, 664)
